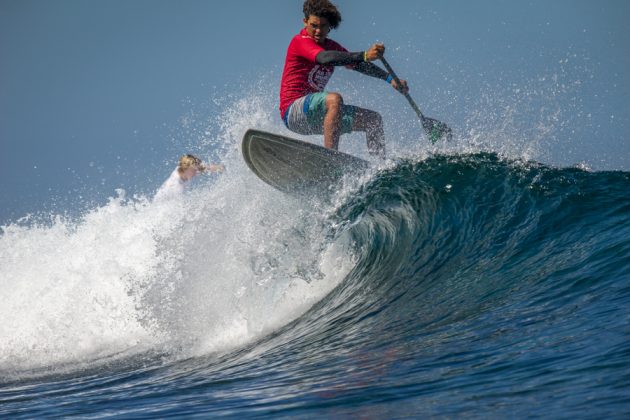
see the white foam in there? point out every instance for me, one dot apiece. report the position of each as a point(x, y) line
point(226, 265)
point(66, 288)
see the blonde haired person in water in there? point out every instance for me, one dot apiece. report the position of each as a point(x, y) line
point(188, 167)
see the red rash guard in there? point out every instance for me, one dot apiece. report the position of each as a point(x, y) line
point(302, 75)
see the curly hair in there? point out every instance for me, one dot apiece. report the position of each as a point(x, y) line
point(322, 9)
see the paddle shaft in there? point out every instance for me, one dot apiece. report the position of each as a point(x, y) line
point(397, 80)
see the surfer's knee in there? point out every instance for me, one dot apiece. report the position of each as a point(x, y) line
point(334, 101)
point(376, 120)
point(371, 120)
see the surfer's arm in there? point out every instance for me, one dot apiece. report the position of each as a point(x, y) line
point(338, 58)
point(373, 70)
point(355, 59)
point(370, 69)
point(343, 57)
point(219, 167)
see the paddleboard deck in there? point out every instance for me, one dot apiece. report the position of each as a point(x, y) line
point(297, 167)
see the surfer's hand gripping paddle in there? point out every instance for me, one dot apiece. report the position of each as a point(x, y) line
point(434, 129)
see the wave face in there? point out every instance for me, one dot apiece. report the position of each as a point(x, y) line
point(458, 285)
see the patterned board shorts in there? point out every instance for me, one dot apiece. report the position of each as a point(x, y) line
point(306, 115)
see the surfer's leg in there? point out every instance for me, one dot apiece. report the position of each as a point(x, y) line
point(332, 120)
point(372, 123)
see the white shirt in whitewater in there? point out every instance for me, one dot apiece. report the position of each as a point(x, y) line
point(173, 187)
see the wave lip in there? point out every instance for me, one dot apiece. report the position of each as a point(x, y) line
point(471, 269)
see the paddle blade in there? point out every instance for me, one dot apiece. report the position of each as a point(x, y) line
point(436, 130)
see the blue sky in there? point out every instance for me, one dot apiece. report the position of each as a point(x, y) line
point(92, 93)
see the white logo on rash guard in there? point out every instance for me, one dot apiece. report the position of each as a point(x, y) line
point(319, 76)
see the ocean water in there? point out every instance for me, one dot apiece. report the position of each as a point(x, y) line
point(460, 282)
point(456, 285)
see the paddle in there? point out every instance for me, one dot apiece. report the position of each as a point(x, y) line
point(435, 129)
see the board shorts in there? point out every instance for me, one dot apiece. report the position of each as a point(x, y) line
point(306, 115)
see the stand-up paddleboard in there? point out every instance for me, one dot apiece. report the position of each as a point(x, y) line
point(296, 167)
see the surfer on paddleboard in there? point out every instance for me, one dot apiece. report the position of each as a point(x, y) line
point(305, 107)
point(189, 166)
